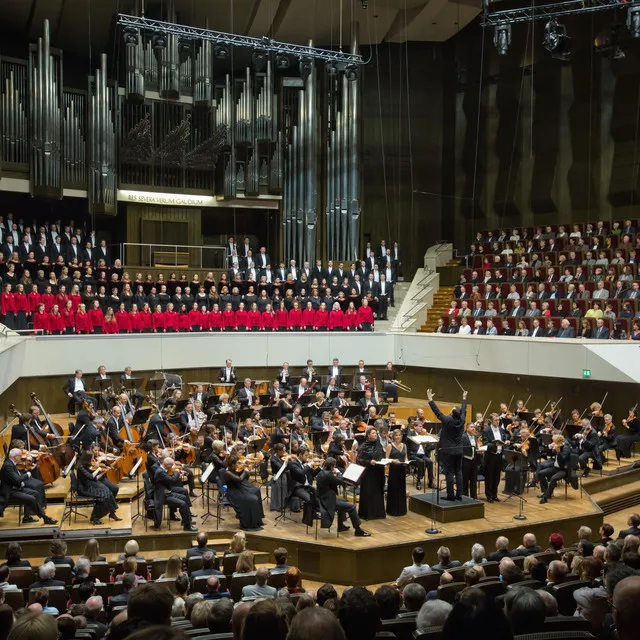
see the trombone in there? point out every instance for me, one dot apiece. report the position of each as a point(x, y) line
point(399, 384)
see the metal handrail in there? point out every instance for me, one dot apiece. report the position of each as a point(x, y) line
point(151, 247)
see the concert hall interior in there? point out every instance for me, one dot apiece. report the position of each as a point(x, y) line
point(317, 319)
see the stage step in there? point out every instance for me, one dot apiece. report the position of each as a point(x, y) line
point(595, 483)
point(618, 498)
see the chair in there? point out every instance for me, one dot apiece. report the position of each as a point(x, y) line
point(158, 567)
point(518, 561)
point(491, 568)
point(532, 584)
point(75, 501)
point(429, 580)
point(564, 596)
point(457, 573)
point(200, 584)
point(402, 628)
point(117, 588)
point(447, 592)
point(115, 611)
point(14, 598)
point(22, 577)
point(64, 572)
point(193, 564)
point(277, 579)
point(229, 562)
point(58, 597)
point(492, 589)
point(567, 623)
point(101, 571)
point(239, 580)
point(556, 635)
point(546, 556)
point(432, 633)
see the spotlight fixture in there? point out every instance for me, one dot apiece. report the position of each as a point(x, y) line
point(633, 21)
point(159, 41)
point(282, 62)
point(259, 59)
point(306, 66)
point(351, 73)
point(222, 52)
point(331, 69)
point(130, 36)
point(556, 41)
point(502, 38)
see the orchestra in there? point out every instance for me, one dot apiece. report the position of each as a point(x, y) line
point(307, 437)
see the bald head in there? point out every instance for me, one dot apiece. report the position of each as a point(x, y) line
point(626, 612)
point(529, 540)
point(446, 578)
point(504, 563)
point(261, 575)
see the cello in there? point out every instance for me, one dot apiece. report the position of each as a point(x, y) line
point(62, 450)
point(47, 466)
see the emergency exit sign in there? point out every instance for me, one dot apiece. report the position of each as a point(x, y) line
point(586, 373)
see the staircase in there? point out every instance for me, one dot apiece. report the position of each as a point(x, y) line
point(441, 302)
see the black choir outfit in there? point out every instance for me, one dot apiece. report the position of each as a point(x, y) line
point(397, 482)
point(372, 481)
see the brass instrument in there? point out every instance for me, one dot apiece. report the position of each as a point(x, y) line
point(401, 386)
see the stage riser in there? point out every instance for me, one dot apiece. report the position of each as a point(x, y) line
point(423, 504)
point(594, 483)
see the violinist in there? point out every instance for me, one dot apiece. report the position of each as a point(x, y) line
point(320, 423)
point(248, 430)
point(419, 455)
point(470, 461)
point(280, 488)
point(282, 433)
point(152, 448)
point(521, 407)
point(113, 427)
point(345, 429)
point(596, 409)
point(90, 473)
point(180, 452)
point(588, 444)
point(21, 487)
point(557, 467)
point(505, 415)
point(528, 446)
point(607, 436)
point(338, 451)
point(243, 496)
point(575, 417)
point(167, 489)
point(630, 435)
point(97, 458)
point(88, 433)
point(171, 402)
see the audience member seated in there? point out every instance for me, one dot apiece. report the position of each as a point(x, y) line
point(633, 530)
point(292, 582)
point(445, 578)
point(502, 550)
point(280, 554)
point(557, 573)
point(59, 555)
point(315, 624)
point(263, 620)
point(477, 556)
point(475, 613)
point(509, 573)
point(41, 597)
point(201, 547)
point(260, 589)
point(173, 568)
point(529, 546)
point(417, 568)
point(556, 542)
point(92, 551)
point(444, 561)
point(238, 543)
point(131, 550)
point(34, 626)
point(208, 567)
point(526, 611)
point(473, 574)
point(433, 613)
point(219, 618)
point(200, 614)
point(46, 577)
point(13, 556)
point(389, 601)
point(130, 565)
point(94, 613)
point(626, 612)
point(414, 596)
point(129, 581)
point(213, 589)
point(359, 614)
point(324, 593)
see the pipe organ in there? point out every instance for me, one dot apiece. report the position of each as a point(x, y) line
point(188, 115)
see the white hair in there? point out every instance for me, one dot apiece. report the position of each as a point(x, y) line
point(433, 613)
point(83, 566)
point(477, 552)
point(46, 570)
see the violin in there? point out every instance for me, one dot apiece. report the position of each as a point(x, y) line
point(28, 460)
point(249, 462)
point(631, 417)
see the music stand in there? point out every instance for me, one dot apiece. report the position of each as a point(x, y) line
point(356, 396)
point(133, 384)
point(272, 413)
point(154, 387)
point(134, 471)
point(352, 475)
point(256, 445)
point(206, 487)
point(140, 417)
point(516, 459)
point(101, 385)
point(350, 411)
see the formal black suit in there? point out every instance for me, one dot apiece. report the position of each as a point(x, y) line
point(16, 486)
point(168, 489)
point(196, 552)
point(21, 431)
point(328, 484)
point(496, 556)
point(204, 397)
point(589, 448)
point(245, 397)
point(470, 464)
point(85, 433)
point(114, 438)
point(79, 396)
point(420, 461)
point(222, 376)
point(551, 471)
point(156, 430)
point(450, 447)
point(631, 531)
point(492, 461)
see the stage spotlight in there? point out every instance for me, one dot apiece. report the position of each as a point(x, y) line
point(130, 36)
point(306, 65)
point(159, 41)
point(331, 69)
point(282, 62)
point(351, 73)
point(502, 38)
point(259, 59)
point(556, 41)
point(222, 52)
point(633, 21)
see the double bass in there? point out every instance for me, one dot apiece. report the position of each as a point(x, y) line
point(62, 451)
point(42, 458)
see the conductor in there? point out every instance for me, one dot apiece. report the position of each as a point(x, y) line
point(450, 447)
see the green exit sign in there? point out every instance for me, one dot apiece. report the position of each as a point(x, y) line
point(586, 373)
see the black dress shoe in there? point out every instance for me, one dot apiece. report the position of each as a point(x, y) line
point(192, 529)
point(496, 499)
point(113, 516)
point(48, 520)
point(585, 473)
point(459, 498)
point(96, 523)
point(29, 520)
point(192, 494)
point(418, 485)
point(543, 500)
point(343, 527)
point(490, 500)
point(361, 533)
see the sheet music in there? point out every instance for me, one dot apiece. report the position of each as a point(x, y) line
point(429, 439)
point(207, 472)
point(353, 472)
point(386, 461)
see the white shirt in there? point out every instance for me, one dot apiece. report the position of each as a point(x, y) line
point(465, 330)
point(336, 371)
point(498, 436)
point(228, 374)
point(301, 390)
point(285, 375)
point(78, 385)
point(474, 446)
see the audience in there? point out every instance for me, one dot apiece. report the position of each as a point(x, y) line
point(526, 610)
point(264, 620)
point(201, 547)
point(359, 614)
point(433, 613)
point(260, 589)
point(502, 550)
point(219, 618)
point(389, 601)
point(280, 555)
point(444, 560)
point(315, 624)
point(213, 589)
point(414, 596)
point(417, 568)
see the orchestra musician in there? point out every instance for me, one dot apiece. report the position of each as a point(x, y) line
point(309, 371)
point(26, 426)
point(128, 375)
point(76, 390)
point(419, 455)
point(470, 461)
point(495, 437)
point(588, 447)
point(87, 433)
point(21, 487)
point(113, 426)
point(630, 435)
point(328, 482)
point(450, 445)
point(301, 388)
point(187, 420)
point(607, 436)
point(302, 476)
point(555, 468)
point(280, 489)
point(365, 402)
point(335, 370)
point(89, 485)
point(338, 451)
point(246, 394)
point(201, 395)
point(242, 495)
point(372, 480)
point(168, 489)
point(340, 401)
point(158, 427)
point(105, 396)
point(284, 375)
point(360, 370)
point(228, 373)
point(388, 386)
point(275, 393)
point(97, 456)
point(362, 384)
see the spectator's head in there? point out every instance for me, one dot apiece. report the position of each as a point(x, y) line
point(359, 614)
point(34, 626)
point(418, 555)
point(131, 548)
point(389, 601)
point(630, 543)
point(13, 553)
point(613, 553)
point(292, 578)
point(550, 603)
point(474, 611)
point(246, 563)
point(590, 569)
point(182, 585)
point(151, 603)
point(325, 592)
point(208, 560)
point(86, 590)
point(414, 594)
point(606, 530)
point(626, 612)
point(47, 571)
point(529, 563)
point(315, 623)
point(444, 555)
point(190, 602)
point(213, 584)
point(502, 543)
point(305, 602)
point(512, 574)
point(95, 607)
point(39, 596)
point(599, 552)
point(557, 571)
point(504, 563)
point(525, 610)
point(200, 614)
point(529, 540)
point(556, 541)
point(584, 533)
point(631, 559)
point(472, 575)
point(262, 575)
point(58, 547)
point(433, 613)
point(616, 573)
point(66, 627)
point(5, 572)
point(129, 581)
point(280, 554)
point(585, 548)
point(445, 578)
point(6, 621)
point(264, 620)
point(202, 539)
point(477, 553)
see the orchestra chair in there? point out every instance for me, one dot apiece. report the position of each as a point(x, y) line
point(148, 505)
point(22, 577)
point(277, 580)
point(15, 503)
point(75, 502)
point(199, 584)
point(14, 598)
point(431, 633)
point(402, 628)
point(429, 580)
point(239, 580)
point(101, 571)
point(447, 592)
point(564, 596)
point(557, 635)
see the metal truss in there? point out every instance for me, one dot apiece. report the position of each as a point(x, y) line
point(546, 11)
point(260, 44)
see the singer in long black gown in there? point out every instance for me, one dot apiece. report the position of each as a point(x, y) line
point(243, 496)
point(397, 479)
point(372, 479)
